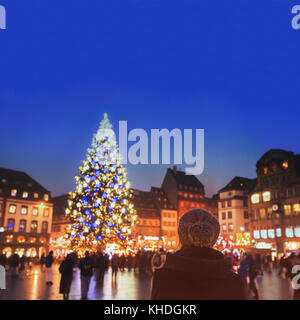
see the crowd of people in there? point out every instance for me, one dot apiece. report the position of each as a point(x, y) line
point(196, 271)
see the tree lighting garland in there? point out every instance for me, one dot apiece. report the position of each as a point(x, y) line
point(101, 209)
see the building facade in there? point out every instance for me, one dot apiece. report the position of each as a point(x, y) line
point(275, 202)
point(25, 214)
point(186, 192)
point(233, 212)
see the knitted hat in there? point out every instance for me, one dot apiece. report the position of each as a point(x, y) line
point(198, 228)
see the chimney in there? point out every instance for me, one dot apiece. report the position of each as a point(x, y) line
point(175, 169)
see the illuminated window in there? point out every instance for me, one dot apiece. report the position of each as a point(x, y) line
point(287, 209)
point(46, 212)
point(35, 211)
point(24, 210)
point(265, 170)
point(22, 226)
point(278, 232)
point(13, 192)
point(35, 195)
point(9, 238)
point(10, 224)
point(255, 198)
point(33, 226)
point(266, 196)
point(230, 227)
point(25, 195)
point(224, 227)
point(263, 234)
point(256, 234)
point(271, 233)
point(21, 239)
point(285, 164)
point(32, 240)
point(297, 232)
point(262, 212)
point(12, 208)
point(289, 232)
point(46, 197)
point(296, 208)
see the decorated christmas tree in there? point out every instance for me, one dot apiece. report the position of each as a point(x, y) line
point(101, 210)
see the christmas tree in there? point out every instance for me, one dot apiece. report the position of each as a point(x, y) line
point(101, 210)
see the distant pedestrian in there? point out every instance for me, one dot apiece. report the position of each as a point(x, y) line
point(14, 265)
point(114, 265)
point(86, 272)
point(253, 272)
point(42, 261)
point(48, 263)
point(66, 271)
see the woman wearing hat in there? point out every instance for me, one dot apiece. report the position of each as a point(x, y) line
point(197, 271)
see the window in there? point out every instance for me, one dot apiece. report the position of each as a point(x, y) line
point(10, 224)
point(223, 215)
point(255, 198)
point(271, 233)
point(44, 227)
point(287, 209)
point(230, 227)
point(33, 226)
point(296, 208)
point(46, 212)
point(289, 232)
point(263, 234)
point(229, 203)
point(25, 195)
point(22, 226)
point(256, 234)
point(12, 208)
point(223, 204)
point(265, 170)
point(35, 211)
point(35, 195)
point(46, 197)
point(278, 232)
point(266, 196)
point(24, 210)
point(246, 215)
point(297, 232)
point(229, 215)
point(262, 212)
point(13, 192)
point(224, 227)
point(285, 165)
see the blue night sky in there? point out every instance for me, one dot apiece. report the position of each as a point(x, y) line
point(230, 67)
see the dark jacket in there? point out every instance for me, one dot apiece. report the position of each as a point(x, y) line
point(49, 260)
point(86, 267)
point(197, 274)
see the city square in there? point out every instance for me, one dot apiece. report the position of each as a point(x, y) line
point(129, 286)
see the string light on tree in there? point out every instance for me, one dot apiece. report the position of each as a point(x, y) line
point(100, 208)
